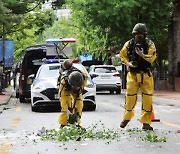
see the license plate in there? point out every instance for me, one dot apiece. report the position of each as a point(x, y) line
point(105, 77)
point(56, 96)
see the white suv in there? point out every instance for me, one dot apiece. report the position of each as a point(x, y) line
point(106, 77)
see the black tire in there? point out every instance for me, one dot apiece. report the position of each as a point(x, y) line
point(21, 98)
point(118, 91)
point(33, 108)
point(111, 91)
point(17, 95)
point(93, 108)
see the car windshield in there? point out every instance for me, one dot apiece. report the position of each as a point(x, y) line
point(49, 71)
point(105, 69)
point(82, 68)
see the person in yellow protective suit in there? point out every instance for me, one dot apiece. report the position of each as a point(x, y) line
point(138, 54)
point(72, 83)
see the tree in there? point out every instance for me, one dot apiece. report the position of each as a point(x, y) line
point(22, 19)
point(121, 16)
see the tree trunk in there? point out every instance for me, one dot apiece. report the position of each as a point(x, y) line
point(174, 47)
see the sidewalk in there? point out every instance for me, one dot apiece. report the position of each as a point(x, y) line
point(4, 99)
point(165, 97)
point(167, 94)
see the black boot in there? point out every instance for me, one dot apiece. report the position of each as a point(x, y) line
point(124, 123)
point(62, 126)
point(147, 127)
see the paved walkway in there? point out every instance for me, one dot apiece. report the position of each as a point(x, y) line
point(167, 94)
point(5, 98)
point(165, 97)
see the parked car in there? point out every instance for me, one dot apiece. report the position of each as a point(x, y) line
point(106, 77)
point(88, 63)
point(44, 88)
point(31, 62)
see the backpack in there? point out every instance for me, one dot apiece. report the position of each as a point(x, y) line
point(65, 75)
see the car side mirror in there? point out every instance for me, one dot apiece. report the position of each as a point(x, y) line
point(93, 75)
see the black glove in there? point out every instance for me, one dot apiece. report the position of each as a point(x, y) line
point(67, 87)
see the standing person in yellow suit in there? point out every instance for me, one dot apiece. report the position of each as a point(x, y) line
point(138, 54)
point(71, 84)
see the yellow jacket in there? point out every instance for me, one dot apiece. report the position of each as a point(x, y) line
point(149, 57)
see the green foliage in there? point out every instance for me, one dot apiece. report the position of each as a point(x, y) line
point(151, 137)
point(21, 41)
point(121, 16)
point(88, 23)
point(22, 21)
point(96, 132)
point(16, 6)
point(148, 136)
point(58, 4)
point(19, 15)
point(72, 132)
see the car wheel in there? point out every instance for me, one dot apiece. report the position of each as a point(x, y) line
point(93, 108)
point(118, 91)
point(21, 98)
point(34, 109)
point(111, 91)
point(17, 95)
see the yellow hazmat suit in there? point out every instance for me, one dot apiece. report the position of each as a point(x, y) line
point(67, 98)
point(142, 79)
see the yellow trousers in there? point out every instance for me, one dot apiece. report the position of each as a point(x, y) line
point(145, 82)
point(66, 101)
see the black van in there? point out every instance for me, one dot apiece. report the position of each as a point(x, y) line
point(31, 62)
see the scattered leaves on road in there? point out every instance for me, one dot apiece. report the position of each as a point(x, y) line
point(97, 132)
point(72, 132)
point(149, 136)
point(152, 137)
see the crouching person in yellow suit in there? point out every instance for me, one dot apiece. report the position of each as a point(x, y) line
point(71, 84)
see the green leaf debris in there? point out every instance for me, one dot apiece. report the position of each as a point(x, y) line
point(152, 137)
point(72, 132)
point(96, 132)
point(149, 136)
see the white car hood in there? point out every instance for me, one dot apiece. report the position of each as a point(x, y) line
point(45, 83)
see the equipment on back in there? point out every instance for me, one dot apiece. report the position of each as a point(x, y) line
point(140, 28)
point(75, 79)
point(67, 64)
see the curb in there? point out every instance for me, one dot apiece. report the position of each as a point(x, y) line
point(7, 101)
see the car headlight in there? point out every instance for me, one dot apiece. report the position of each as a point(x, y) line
point(37, 88)
point(90, 85)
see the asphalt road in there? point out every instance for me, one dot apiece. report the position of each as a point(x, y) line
point(19, 127)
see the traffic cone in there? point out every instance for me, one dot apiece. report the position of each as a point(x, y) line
point(153, 117)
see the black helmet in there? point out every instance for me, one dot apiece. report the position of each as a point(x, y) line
point(67, 64)
point(75, 79)
point(140, 28)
